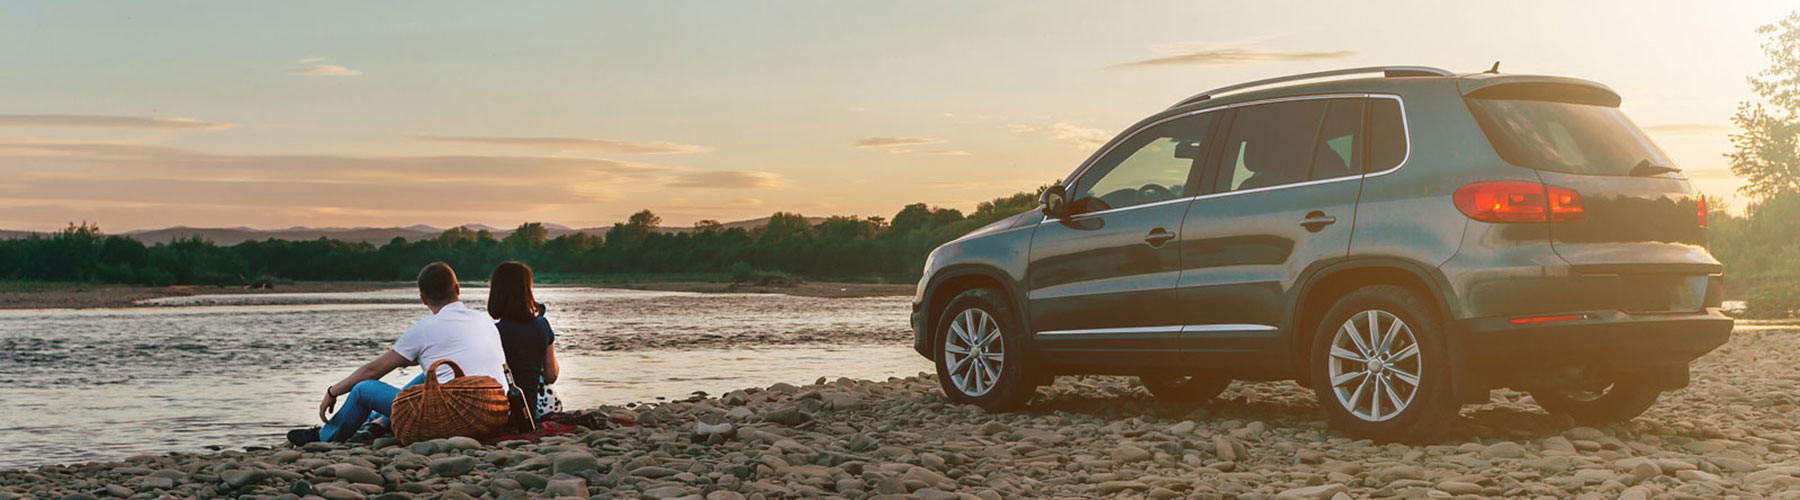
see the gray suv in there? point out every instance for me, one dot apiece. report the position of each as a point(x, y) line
point(1402, 243)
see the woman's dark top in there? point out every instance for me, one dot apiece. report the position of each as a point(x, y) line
point(525, 344)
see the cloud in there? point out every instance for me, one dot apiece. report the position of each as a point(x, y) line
point(316, 66)
point(57, 171)
point(903, 145)
point(109, 121)
point(727, 179)
point(890, 142)
point(578, 145)
point(1688, 129)
point(1234, 53)
point(1066, 133)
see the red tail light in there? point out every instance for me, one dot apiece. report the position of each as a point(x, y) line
point(1702, 212)
point(1518, 201)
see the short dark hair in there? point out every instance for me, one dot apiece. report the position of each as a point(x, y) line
point(437, 284)
point(509, 293)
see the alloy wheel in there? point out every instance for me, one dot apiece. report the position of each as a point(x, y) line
point(974, 352)
point(1375, 365)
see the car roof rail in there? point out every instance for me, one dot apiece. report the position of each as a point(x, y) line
point(1388, 71)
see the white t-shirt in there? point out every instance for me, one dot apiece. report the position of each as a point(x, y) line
point(460, 334)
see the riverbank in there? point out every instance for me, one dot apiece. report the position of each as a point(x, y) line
point(1729, 434)
point(51, 295)
point(56, 295)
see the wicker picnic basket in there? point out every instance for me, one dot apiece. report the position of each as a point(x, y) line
point(464, 406)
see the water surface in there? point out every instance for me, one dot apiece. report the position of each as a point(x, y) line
point(238, 370)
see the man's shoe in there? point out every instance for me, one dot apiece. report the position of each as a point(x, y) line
point(300, 437)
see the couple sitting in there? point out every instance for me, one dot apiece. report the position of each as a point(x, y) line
point(521, 340)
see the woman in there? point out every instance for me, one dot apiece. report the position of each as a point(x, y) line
point(525, 335)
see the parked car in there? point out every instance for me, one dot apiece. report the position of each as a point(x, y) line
point(1402, 243)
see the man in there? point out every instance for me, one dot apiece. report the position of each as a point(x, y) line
point(452, 331)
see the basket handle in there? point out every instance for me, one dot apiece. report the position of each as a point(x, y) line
point(431, 382)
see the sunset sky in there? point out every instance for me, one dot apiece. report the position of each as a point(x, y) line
point(142, 115)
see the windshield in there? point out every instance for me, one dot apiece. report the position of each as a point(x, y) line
point(1566, 137)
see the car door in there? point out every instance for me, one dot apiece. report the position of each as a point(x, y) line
point(1285, 197)
point(1101, 281)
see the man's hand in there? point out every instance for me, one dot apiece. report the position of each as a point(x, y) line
point(327, 405)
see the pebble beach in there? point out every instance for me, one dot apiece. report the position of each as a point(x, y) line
point(1730, 434)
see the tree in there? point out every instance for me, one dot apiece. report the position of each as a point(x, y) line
point(529, 236)
point(1767, 152)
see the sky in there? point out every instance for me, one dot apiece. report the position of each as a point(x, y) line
point(139, 115)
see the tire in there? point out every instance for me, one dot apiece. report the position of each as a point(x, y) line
point(1186, 389)
point(1415, 351)
point(1619, 402)
point(1004, 389)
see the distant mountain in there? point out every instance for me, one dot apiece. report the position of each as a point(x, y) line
point(227, 236)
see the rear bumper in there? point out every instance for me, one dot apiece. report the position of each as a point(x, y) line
point(1611, 343)
point(921, 334)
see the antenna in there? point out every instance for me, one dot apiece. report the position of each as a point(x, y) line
point(1495, 69)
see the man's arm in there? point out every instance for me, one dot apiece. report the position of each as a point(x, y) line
point(372, 370)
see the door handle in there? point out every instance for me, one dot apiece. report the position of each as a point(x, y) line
point(1316, 221)
point(1158, 237)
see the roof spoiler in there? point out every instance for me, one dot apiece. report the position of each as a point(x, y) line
point(1386, 71)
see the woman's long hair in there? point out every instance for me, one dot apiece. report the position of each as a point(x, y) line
point(509, 293)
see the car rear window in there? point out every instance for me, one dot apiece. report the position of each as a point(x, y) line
point(1565, 135)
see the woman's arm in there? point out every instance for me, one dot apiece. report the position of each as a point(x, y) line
point(550, 368)
point(372, 370)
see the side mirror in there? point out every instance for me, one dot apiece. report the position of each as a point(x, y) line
point(1055, 201)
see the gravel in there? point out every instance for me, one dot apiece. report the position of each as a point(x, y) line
point(1730, 434)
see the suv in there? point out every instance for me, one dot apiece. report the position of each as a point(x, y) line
point(1402, 243)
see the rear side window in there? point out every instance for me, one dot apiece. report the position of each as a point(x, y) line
point(1336, 153)
point(1271, 144)
point(1563, 136)
point(1387, 135)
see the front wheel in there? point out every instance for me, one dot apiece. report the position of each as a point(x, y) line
point(1616, 402)
point(1186, 389)
point(981, 353)
point(1379, 366)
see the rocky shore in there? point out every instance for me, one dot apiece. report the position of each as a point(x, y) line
point(1731, 434)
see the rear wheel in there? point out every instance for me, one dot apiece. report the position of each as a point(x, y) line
point(981, 353)
point(1187, 389)
point(1379, 366)
point(1617, 402)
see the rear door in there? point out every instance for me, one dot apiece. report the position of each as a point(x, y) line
point(1102, 280)
point(1637, 243)
point(1285, 197)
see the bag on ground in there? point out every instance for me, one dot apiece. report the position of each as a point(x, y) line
point(464, 406)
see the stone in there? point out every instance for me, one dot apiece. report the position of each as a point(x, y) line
point(1184, 427)
point(358, 474)
point(573, 462)
point(1129, 454)
point(453, 466)
point(461, 443)
point(665, 492)
point(654, 472)
point(1320, 492)
point(1459, 488)
point(157, 483)
point(1504, 449)
point(576, 487)
point(1114, 487)
point(788, 415)
point(1223, 449)
point(239, 478)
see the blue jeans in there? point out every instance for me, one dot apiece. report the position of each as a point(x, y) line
point(369, 396)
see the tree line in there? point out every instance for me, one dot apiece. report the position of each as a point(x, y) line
point(838, 247)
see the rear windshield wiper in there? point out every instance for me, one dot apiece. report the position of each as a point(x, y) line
point(1646, 169)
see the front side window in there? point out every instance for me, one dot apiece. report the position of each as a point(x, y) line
point(1153, 165)
point(1271, 144)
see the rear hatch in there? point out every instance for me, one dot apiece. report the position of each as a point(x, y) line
point(1639, 236)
